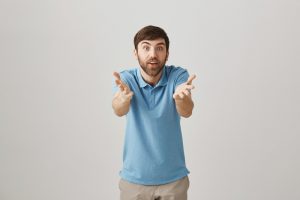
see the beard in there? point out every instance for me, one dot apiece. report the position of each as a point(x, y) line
point(150, 69)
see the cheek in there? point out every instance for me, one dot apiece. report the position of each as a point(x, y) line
point(143, 56)
point(163, 56)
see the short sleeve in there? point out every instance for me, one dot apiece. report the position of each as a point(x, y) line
point(182, 77)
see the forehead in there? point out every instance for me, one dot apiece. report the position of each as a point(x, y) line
point(159, 41)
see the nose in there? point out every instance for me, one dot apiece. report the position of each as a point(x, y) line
point(152, 53)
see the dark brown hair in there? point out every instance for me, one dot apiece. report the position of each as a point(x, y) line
point(150, 33)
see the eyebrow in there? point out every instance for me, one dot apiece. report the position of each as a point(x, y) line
point(161, 43)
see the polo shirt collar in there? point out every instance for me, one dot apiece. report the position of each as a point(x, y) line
point(162, 81)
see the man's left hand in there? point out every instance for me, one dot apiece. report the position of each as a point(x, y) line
point(183, 90)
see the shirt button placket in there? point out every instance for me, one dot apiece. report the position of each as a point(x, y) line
point(152, 98)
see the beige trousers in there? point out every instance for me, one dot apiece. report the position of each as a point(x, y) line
point(171, 191)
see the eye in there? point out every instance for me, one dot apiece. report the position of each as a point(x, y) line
point(160, 48)
point(146, 48)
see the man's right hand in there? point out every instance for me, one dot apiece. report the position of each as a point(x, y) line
point(121, 101)
point(125, 94)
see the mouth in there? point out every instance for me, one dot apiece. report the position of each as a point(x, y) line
point(153, 63)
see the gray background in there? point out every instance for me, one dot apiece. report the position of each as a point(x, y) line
point(59, 138)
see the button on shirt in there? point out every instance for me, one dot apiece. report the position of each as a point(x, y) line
point(153, 151)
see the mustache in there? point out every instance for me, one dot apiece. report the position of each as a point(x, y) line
point(153, 60)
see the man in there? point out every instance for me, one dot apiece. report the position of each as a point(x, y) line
point(153, 97)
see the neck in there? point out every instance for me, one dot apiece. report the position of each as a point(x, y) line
point(152, 80)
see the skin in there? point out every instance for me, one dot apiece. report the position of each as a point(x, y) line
point(152, 56)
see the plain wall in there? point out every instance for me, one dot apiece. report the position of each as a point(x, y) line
point(59, 138)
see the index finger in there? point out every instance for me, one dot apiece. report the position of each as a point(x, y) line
point(190, 79)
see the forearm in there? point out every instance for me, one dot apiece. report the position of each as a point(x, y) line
point(184, 106)
point(120, 105)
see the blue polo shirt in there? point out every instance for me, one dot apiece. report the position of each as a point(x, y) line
point(153, 151)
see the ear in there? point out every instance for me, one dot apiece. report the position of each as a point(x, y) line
point(135, 54)
point(167, 57)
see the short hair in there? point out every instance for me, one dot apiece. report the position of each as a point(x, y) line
point(151, 33)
